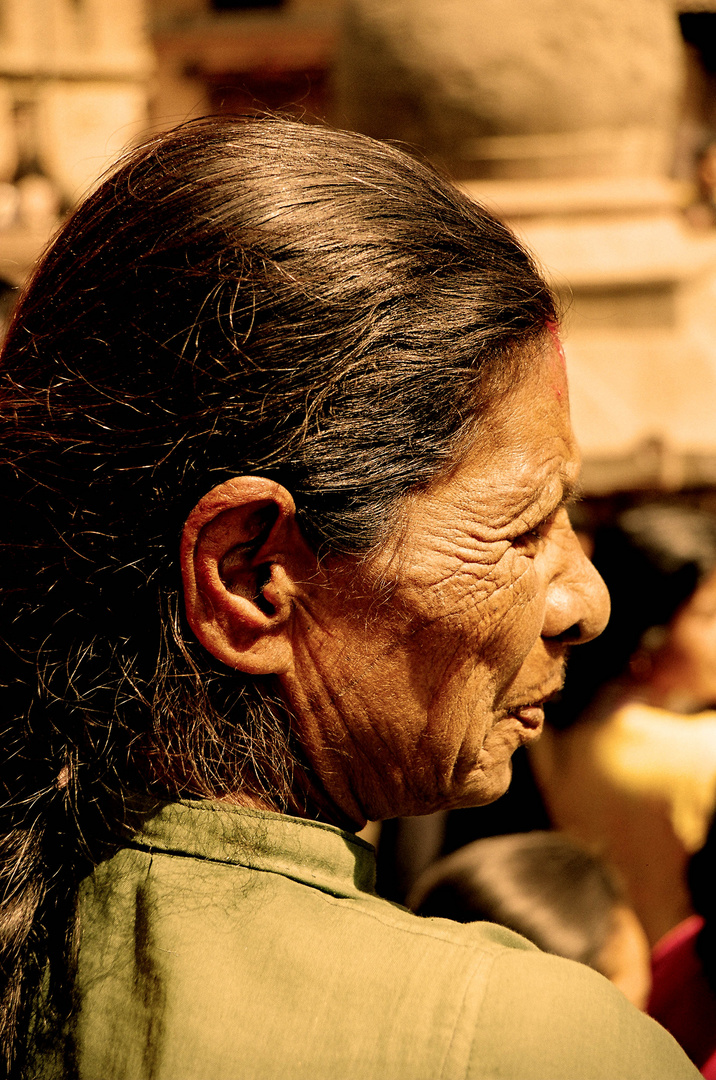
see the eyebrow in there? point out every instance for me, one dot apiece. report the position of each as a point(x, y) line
point(571, 493)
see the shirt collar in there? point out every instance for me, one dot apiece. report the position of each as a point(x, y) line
point(315, 854)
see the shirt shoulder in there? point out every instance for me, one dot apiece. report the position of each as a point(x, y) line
point(195, 968)
point(566, 1021)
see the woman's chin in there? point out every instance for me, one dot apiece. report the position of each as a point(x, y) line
point(480, 787)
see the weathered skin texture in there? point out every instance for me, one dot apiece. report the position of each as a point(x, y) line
point(417, 699)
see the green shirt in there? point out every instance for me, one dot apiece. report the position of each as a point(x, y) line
point(226, 944)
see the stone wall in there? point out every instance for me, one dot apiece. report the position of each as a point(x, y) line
point(507, 88)
point(73, 94)
point(562, 117)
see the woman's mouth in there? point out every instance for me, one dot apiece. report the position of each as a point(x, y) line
point(531, 716)
point(530, 713)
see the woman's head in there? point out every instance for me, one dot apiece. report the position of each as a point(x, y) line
point(550, 890)
point(240, 299)
point(658, 559)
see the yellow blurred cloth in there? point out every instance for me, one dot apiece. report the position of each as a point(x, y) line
point(639, 788)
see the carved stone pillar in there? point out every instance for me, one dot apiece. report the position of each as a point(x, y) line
point(513, 89)
point(561, 117)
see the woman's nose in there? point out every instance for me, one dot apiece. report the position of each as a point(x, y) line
point(577, 605)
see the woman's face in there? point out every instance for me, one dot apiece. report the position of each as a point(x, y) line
point(684, 669)
point(417, 676)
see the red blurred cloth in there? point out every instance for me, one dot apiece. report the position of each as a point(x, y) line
point(681, 998)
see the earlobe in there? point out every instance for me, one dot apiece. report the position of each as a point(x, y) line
point(242, 554)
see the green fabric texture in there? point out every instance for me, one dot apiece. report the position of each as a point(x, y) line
point(226, 944)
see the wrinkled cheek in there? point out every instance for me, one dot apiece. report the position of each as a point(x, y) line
point(514, 625)
point(495, 758)
point(499, 743)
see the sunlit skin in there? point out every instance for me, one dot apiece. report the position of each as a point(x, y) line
point(414, 678)
point(411, 677)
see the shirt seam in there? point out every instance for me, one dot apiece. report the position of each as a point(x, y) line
point(414, 931)
point(476, 1026)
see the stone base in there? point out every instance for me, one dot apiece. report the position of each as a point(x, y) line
point(638, 290)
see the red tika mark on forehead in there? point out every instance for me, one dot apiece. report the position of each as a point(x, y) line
point(553, 329)
point(554, 334)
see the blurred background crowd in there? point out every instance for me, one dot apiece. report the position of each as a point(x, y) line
point(589, 126)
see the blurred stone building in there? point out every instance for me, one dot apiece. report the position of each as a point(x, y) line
point(82, 79)
point(237, 55)
point(73, 93)
point(574, 126)
point(579, 123)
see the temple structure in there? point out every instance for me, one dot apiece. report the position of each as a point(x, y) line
point(73, 93)
point(568, 126)
point(580, 126)
point(238, 55)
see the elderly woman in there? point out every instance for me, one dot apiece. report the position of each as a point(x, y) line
point(285, 454)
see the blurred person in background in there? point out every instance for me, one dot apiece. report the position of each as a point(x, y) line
point(683, 996)
point(701, 213)
point(628, 761)
point(552, 891)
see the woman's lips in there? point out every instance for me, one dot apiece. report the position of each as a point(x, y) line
point(532, 716)
point(531, 712)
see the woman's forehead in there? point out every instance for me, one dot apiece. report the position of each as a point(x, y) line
point(525, 450)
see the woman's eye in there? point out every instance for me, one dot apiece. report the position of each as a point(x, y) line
point(533, 536)
point(536, 534)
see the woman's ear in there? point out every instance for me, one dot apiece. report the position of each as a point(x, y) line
point(242, 556)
